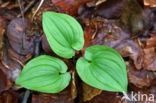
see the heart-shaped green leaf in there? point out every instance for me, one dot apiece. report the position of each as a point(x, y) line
point(103, 68)
point(46, 74)
point(63, 33)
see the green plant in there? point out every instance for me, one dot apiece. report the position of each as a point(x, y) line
point(101, 67)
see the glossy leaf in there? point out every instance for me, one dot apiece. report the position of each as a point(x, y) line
point(103, 68)
point(63, 33)
point(46, 74)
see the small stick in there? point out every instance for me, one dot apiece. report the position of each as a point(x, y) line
point(94, 34)
point(3, 62)
point(27, 7)
point(18, 61)
point(5, 4)
point(37, 9)
point(21, 8)
point(26, 96)
point(37, 46)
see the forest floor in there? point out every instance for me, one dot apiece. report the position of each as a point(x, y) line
point(128, 26)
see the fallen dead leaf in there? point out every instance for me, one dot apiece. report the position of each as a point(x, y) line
point(151, 3)
point(70, 6)
point(107, 97)
point(63, 97)
point(73, 85)
point(9, 97)
point(20, 39)
point(111, 8)
point(150, 54)
point(89, 92)
point(3, 26)
point(140, 79)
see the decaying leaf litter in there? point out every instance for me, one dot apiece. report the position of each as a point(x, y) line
point(128, 26)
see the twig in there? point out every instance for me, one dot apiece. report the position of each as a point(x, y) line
point(27, 7)
point(37, 9)
point(37, 46)
point(5, 4)
point(94, 34)
point(18, 61)
point(3, 62)
point(26, 96)
point(21, 8)
point(11, 6)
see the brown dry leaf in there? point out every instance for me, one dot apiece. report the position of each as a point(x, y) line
point(151, 42)
point(2, 30)
point(89, 92)
point(111, 8)
point(150, 54)
point(151, 3)
point(152, 66)
point(3, 25)
point(134, 19)
point(107, 97)
point(70, 6)
point(7, 14)
point(19, 35)
point(45, 45)
point(1, 41)
point(0, 2)
point(73, 86)
point(22, 60)
point(149, 59)
point(10, 68)
point(9, 97)
point(140, 79)
point(3, 81)
point(101, 31)
point(109, 33)
point(63, 97)
point(132, 49)
point(139, 82)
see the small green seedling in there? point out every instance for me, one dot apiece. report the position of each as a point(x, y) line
point(101, 67)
